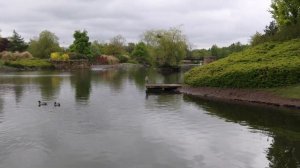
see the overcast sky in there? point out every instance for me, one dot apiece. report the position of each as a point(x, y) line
point(204, 22)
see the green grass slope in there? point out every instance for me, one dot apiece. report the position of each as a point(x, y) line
point(30, 63)
point(272, 64)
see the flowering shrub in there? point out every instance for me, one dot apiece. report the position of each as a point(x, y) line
point(56, 56)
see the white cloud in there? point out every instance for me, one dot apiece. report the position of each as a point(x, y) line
point(205, 22)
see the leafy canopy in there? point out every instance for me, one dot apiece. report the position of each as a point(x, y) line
point(285, 12)
point(116, 46)
point(17, 43)
point(44, 45)
point(81, 44)
point(167, 47)
point(141, 54)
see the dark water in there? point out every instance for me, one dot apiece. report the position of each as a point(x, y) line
point(106, 121)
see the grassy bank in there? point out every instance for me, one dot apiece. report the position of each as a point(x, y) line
point(30, 64)
point(273, 64)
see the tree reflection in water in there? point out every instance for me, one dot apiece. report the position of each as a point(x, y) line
point(81, 81)
point(282, 125)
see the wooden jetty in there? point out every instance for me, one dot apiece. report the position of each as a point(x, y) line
point(160, 88)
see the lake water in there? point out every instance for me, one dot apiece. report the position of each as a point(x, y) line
point(107, 121)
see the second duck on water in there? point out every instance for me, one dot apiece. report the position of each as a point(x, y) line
point(56, 104)
point(42, 103)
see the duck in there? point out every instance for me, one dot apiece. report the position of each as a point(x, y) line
point(56, 104)
point(42, 103)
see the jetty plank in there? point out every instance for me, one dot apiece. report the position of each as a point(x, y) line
point(162, 87)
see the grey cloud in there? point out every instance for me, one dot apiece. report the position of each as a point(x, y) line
point(205, 22)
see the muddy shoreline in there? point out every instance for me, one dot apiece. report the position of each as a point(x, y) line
point(241, 95)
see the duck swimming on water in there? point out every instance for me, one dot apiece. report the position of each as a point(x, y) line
point(56, 104)
point(42, 103)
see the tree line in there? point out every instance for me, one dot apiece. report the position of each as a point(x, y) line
point(219, 52)
point(164, 48)
point(157, 47)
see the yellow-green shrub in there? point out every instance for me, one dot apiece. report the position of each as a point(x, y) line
point(56, 56)
point(65, 57)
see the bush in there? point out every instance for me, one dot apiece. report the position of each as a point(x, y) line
point(123, 58)
point(112, 60)
point(9, 56)
point(56, 56)
point(26, 55)
point(107, 59)
point(267, 65)
point(76, 56)
point(65, 57)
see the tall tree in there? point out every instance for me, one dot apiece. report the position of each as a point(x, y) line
point(272, 29)
point(17, 43)
point(96, 48)
point(214, 50)
point(141, 54)
point(116, 46)
point(129, 48)
point(4, 44)
point(167, 47)
point(44, 45)
point(285, 12)
point(81, 44)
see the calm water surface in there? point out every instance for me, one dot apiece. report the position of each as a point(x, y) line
point(107, 121)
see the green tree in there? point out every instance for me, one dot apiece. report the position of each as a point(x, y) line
point(141, 54)
point(129, 48)
point(256, 39)
point(167, 47)
point(200, 53)
point(4, 44)
point(96, 48)
point(17, 43)
point(272, 29)
point(116, 46)
point(44, 45)
point(214, 50)
point(81, 44)
point(285, 12)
